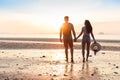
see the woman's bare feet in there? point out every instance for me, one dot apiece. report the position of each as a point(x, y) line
point(83, 59)
point(87, 59)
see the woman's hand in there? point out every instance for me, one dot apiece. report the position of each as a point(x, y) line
point(95, 41)
point(75, 40)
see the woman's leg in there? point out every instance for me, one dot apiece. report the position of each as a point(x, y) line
point(88, 50)
point(83, 50)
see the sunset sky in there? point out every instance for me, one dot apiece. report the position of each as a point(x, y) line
point(46, 16)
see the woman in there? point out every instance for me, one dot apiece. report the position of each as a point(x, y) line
point(86, 31)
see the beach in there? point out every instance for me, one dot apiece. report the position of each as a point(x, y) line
point(44, 59)
point(32, 33)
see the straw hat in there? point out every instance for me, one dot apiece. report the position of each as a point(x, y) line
point(95, 47)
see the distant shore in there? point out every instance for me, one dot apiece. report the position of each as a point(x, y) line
point(52, 39)
point(50, 43)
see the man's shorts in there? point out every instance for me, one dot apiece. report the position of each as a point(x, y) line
point(68, 43)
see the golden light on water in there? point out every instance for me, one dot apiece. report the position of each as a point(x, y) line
point(59, 56)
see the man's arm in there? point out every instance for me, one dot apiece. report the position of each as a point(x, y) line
point(61, 34)
point(73, 32)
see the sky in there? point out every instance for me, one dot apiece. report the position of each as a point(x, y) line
point(46, 16)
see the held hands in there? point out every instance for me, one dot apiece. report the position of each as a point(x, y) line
point(75, 39)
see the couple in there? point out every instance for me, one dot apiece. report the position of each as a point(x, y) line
point(67, 29)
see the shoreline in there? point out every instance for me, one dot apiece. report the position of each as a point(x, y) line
point(52, 40)
point(51, 43)
point(40, 45)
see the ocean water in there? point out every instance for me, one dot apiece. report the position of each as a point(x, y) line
point(51, 41)
point(97, 36)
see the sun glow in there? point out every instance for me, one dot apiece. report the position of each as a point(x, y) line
point(50, 23)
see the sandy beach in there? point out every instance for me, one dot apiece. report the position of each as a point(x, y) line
point(50, 65)
point(39, 60)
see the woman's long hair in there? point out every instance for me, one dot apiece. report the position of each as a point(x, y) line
point(88, 26)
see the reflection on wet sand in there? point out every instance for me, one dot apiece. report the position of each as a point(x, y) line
point(51, 65)
point(89, 73)
point(69, 70)
point(83, 73)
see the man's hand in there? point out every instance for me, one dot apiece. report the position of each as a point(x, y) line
point(60, 40)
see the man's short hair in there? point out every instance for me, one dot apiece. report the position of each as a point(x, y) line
point(66, 17)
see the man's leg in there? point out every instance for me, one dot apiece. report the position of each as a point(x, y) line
point(71, 50)
point(66, 49)
point(66, 53)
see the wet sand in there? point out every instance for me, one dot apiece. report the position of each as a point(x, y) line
point(49, 64)
point(51, 43)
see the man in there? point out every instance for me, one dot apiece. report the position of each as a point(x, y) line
point(66, 30)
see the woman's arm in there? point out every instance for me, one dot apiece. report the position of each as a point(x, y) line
point(93, 37)
point(80, 34)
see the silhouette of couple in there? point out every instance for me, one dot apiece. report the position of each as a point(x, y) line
point(67, 29)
